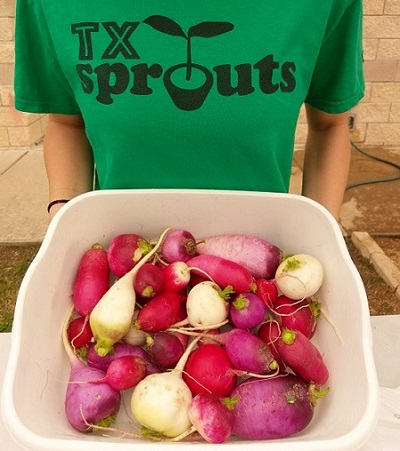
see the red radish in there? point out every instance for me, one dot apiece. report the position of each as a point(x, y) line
point(207, 339)
point(207, 304)
point(270, 332)
point(223, 272)
point(149, 281)
point(176, 276)
point(302, 356)
point(247, 310)
point(296, 315)
point(299, 276)
point(160, 402)
point(212, 417)
point(160, 312)
point(273, 408)
point(125, 250)
point(92, 279)
point(120, 350)
point(87, 402)
point(125, 372)
point(112, 316)
point(247, 352)
point(79, 332)
point(257, 255)
point(208, 369)
point(267, 291)
point(165, 349)
point(179, 245)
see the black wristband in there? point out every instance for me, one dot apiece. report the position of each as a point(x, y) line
point(57, 201)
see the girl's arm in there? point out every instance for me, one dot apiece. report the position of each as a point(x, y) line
point(327, 158)
point(68, 158)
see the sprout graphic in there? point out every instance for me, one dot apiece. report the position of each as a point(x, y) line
point(184, 98)
point(202, 30)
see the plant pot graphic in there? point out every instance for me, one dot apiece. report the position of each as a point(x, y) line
point(188, 98)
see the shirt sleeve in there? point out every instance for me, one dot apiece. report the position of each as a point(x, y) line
point(40, 84)
point(338, 80)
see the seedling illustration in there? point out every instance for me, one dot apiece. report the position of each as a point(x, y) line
point(188, 99)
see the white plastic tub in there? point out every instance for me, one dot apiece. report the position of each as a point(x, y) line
point(34, 385)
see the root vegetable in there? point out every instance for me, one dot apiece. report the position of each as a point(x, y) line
point(207, 304)
point(79, 332)
point(247, 311)
point(272, 408)
point(161, 402)
point(223, 272)
point(149, 281)
point(112, 316)
point(125, 250)
point(208, 369)
point(165, 349)
point(299, 276)
point(302, 356)
point(125, 372)
point(257, 255)
point(92, 279)
point(179, 245)
point(87, 402)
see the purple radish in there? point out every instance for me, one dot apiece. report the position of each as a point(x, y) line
point(120, 350)
point(257, 255)
point(92, 279)
point(212, 417)
point(165, 349)
point(273, 408)
point(179, 245)
point(247, 352)
point(149, 281)
point(247, 310)
point(125, 250)
point(88, 403)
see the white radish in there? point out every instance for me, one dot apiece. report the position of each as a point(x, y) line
point(112, 316)
point(299, 276)
point(207, 305)
point(161, 402)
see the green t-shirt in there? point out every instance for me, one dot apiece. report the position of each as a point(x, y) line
point(189, 94)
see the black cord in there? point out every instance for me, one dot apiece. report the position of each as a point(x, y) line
point(382, 160)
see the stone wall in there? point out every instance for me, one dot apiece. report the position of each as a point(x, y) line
point(376, 118)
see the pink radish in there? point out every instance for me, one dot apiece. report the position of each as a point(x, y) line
point(212, 417)
point(87, 402)
point(257, 255)
point(302, 356)
point(161, 312)
point(270, 332)
point(112, 316)
point(125, 250)
point(92, 279)
point(149, 281)
point(297, 315)
point(223, 272)
point(125, 372)
point(207, 305)
point(165, 349)
point(179, 245)
point(247, 310)
point(273, 408)
point(208, 369)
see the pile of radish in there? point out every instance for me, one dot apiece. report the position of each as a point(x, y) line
point(210, 338)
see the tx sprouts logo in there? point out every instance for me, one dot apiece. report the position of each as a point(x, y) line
point(188, 84)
